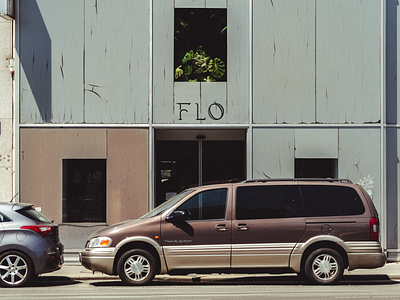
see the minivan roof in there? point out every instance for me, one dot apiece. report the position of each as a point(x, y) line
point(300, 179)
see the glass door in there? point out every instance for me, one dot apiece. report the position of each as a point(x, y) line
point(185, 160)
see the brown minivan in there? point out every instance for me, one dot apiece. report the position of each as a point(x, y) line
point(316, 228)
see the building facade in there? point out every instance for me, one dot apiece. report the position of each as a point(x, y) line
point(111, 123)
point(6, 110)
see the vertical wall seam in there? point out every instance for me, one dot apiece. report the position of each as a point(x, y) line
point(315, 61)
point(84, 63)
point(250, 116)
point(15, 104)
point(151, 157)
point(383, 126)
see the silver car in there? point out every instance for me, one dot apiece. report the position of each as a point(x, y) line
point(29, 244)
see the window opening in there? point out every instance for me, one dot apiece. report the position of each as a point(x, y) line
point(184, 164)
point(84, 190)
point(200, 48)
point(316, 168)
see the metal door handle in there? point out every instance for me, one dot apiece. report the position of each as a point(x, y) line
point(242, 227)
point(221, 227)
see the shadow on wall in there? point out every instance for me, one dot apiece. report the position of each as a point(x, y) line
point(392, 160)
point(34, 50)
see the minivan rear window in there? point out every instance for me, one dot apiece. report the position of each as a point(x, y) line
point(320, 201)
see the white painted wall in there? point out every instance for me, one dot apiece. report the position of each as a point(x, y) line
point(6, 111)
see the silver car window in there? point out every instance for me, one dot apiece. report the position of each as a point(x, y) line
point(34, 215)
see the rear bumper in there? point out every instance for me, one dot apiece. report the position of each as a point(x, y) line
point(98, 259)
point(365, 255)
point(51, 261)
point(366, 260)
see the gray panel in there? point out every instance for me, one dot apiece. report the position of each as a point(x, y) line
point(273, 153)
point(190, 3)
point(200, 102)
point(359, 159)
point(51, 58)
point(348, 61)
point(163, 60)
point(392, 61)
point(187, 102)
point(6, 49)
point(238, 71)
point(317, 143)
point(284, 61)
point(393, 192)
point(117, 40)
point(213, 103)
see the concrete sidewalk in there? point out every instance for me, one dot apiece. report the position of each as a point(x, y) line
point(75, 271)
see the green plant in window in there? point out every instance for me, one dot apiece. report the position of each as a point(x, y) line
point(198, 66)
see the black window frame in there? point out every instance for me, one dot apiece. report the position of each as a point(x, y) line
point(204, 29)
point(84, 190)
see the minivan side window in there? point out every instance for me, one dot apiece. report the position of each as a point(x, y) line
point(266, 202)
point(207, 205)
point(320, 201)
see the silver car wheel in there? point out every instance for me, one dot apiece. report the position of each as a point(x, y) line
point(325, 267)
point(137, 267)
point(13, 270)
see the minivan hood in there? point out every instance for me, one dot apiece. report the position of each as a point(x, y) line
point(149, 227)
point(114, 228)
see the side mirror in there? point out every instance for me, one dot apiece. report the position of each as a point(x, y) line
point(176, 216)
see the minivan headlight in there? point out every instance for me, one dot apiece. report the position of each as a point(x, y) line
point(100, 242)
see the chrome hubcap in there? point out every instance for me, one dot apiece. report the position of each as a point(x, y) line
point(137, 267)
point(13, 269)
point(325, 266)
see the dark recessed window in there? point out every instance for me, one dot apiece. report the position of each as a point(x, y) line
point(84, 190)
point(200, 44)
point(316, 168)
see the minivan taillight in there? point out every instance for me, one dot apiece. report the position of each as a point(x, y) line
point(374, 229)
point(42, 230)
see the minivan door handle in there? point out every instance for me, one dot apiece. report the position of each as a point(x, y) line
point(221, 227)
point(242, 227)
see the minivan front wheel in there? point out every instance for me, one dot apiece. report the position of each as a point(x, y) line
point(137, 267)
point(324, 266)
point(15, 269)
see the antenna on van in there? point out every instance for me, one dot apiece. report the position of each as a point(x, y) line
point(13, 198)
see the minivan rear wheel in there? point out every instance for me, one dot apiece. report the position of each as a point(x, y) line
point(324, 266)
point(16, 269)
point(137, 267)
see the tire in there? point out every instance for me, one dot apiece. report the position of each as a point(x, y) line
point(324, 266)
point(16, 269)
point(137, 267)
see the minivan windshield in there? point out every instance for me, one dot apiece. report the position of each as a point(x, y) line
point(162, 207)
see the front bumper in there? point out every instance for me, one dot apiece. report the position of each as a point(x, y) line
point(98, 259)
